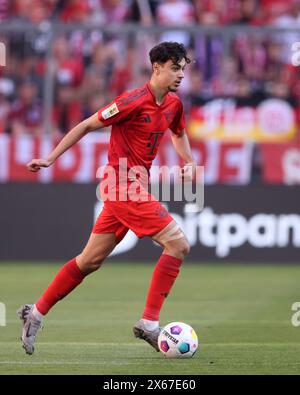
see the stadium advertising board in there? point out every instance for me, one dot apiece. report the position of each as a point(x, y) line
point(244, 224)
point(228, 163)
point(240, 119)
point(281, 163)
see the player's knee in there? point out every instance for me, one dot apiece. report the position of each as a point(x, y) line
point(184, 247)
point(89, 264)
point(95, 262)
point(179, 248)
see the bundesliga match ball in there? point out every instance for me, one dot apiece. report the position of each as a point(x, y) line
point(178, 340)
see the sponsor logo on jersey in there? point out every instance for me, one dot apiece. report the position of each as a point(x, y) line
point(110, 111)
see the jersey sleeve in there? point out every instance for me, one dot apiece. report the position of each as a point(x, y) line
point(118, 110)
point(178, 123)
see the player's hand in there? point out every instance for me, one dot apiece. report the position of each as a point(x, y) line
point(36, 164)
point(188, 171)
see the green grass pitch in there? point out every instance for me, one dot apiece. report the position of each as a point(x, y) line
point(241, 313)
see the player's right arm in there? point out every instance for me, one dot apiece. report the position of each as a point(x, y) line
point(71, 138)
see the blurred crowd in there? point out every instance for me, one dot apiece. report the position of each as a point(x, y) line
point(88, 68)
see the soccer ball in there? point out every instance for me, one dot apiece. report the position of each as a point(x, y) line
point(178, 340)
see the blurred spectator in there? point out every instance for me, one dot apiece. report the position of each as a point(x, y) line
point(4, 111)
point(176, 12)
point(290, 18)
point(218, 12)
point(68, 69)
point(122, 74)
point(215, 12)
point(91, 67)
point(274, 61)
point(99, 72)
point(282, 91)
point(93, 104)
point(26, 115)
point(22, 8)
point(225, 84)
point(34, 11)
point(245, 95)
point(75, 11)
point(115, 11)
point(94, 83)
point(271, 9)
point(143, 77)
point(198, 93)
point(4, 10)
point(7, 87)
point(252, 57)
point(247, 12)
point(67, 110)
point(143, 11)
point(209, 54)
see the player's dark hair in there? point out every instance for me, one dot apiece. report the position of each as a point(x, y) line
point(168, 50)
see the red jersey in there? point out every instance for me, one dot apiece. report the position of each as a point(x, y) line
point(138, 125)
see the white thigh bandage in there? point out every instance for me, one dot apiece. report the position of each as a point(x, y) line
point(169, 233)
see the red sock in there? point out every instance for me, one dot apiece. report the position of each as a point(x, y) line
point(163, 278)
point(68, 277)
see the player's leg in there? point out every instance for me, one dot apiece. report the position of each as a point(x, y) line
point(68, 277)
point(107, 232)
point(173, 240)
point(95, 252)
point(73, 272)
point(176, 247)
point(148, 217)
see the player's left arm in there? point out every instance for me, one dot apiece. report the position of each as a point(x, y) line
point(182, 147)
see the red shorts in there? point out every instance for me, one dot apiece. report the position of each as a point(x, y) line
point(144, 218)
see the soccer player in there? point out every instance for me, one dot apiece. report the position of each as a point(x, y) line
point(139, 119)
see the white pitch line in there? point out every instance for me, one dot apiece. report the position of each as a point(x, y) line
point(82, 344)
point(76, 363)
point(141, 344)
point(121, 363)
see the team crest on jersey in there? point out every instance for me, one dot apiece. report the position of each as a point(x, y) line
point(161, 212)
point(110, 111)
